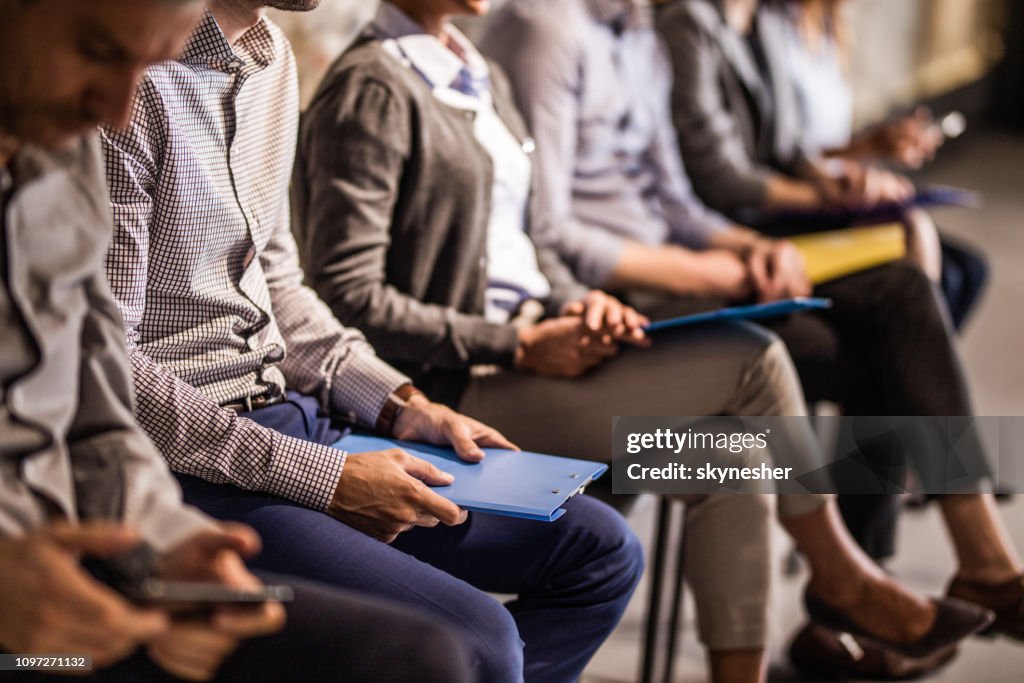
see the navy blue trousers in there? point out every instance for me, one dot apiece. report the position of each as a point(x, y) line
point(571, 578)
point(964, 275)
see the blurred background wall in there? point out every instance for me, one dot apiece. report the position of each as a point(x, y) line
point(906, 51)
point(320, 36)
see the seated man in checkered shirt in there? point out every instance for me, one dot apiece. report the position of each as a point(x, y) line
point(241, 374)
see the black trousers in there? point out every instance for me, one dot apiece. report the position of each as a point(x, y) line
point(885, 348)
point(329, 635)
point(815, 348)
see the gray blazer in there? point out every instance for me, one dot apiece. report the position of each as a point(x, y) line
point(391, 198)
point(69, 445)
point(720, 100)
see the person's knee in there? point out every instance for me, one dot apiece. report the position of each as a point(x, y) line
point(906, 283)
point(477, 633)
point(757, 506)
point(494, 645)
point(442, 650)
point(774, 368)
point(907, 300)
point(776, 359)
point(976, 269)
point(439, 655)
point(613, 545)
point(765, 352)
point(750, 339)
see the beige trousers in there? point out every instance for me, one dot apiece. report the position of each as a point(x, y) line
point(722, 369)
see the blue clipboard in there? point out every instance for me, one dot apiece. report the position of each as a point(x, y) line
point(510, 483)
point(752, 312)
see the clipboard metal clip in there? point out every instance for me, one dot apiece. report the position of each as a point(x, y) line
point(582, 488)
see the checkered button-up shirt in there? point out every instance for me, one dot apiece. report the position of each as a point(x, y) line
point(204, 267)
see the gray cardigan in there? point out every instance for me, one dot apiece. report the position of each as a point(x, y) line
point(391, 199)
point(719, 102)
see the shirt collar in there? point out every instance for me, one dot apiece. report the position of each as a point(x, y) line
point(208, 46)
point(429, 56)
point(31, 162)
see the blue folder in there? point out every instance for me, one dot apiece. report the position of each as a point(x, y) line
point(510, 483)
point(752, 312)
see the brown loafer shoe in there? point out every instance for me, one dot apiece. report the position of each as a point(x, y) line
point(954, 621)
point(819, 653)
point(1005, 599)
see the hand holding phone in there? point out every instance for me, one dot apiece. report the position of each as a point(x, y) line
point(207, 571)
point(200, 596)
point(130, 573)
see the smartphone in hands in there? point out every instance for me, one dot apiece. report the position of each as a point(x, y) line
point(131, 575)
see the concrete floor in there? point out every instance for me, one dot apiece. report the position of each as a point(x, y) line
point(992, 163)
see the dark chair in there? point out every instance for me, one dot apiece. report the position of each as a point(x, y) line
point(659, 640)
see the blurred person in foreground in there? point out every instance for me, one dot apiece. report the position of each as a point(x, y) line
point(78, 478)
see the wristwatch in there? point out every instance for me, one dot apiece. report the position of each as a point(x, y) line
point(392, 408)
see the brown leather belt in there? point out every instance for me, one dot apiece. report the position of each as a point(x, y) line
point(251, 403)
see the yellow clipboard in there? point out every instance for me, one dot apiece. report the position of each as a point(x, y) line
point(833, 254)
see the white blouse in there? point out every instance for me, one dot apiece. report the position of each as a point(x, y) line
point(512, 271)
point(823, 92)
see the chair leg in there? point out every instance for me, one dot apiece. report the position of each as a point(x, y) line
point(661, 536)
point(676, 610)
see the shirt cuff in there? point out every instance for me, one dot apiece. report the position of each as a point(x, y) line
point(304, 472)
point(748, 192)
point(361, 389)
point(712, 224)
point(692, 224)
point(599, 258)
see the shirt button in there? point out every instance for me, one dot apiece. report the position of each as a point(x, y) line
point(529, 145)
point(249, 256)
